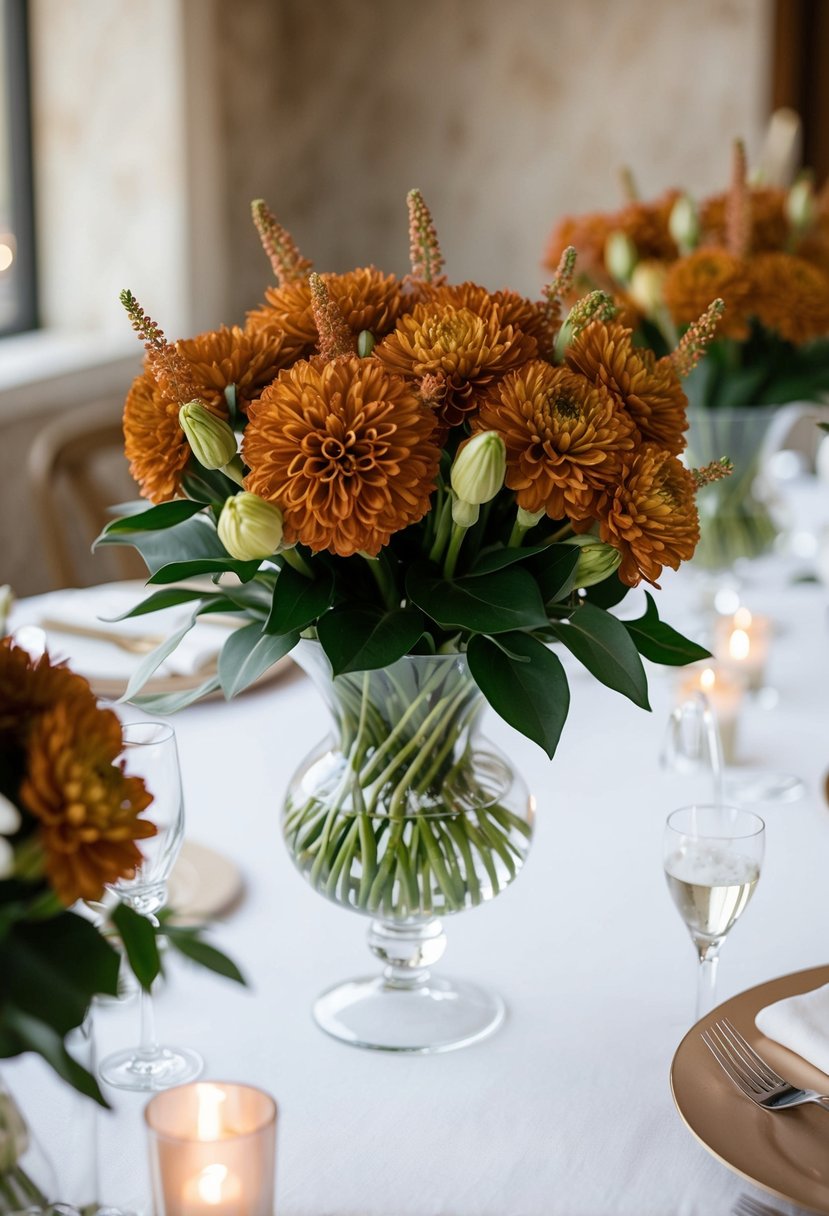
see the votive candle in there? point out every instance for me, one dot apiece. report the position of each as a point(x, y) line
point(212, 1150)
point(742, 645)
point(724, 694)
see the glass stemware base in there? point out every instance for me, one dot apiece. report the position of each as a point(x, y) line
point(127, 1069)
point(406, 1009)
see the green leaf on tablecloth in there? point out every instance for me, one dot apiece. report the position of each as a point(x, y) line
point(22, 1032)
point(165, 515)
point(499, 602)
point(248, 653)
point(526, 687)
point(137, 934)
point(192, 945)
point(603, 645)
point(172, 702)
point(299, 600)
point(364, 639)
point(660, 642)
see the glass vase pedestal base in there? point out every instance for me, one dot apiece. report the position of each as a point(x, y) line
point(438, 1015)
point(169, 1066)
point(406, 1008)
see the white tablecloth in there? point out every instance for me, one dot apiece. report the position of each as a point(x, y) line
point(567, 1109)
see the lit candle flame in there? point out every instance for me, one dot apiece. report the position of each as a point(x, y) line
point(739, 644)
point(742, 618)
point(209, 1118)
point(210, 1183)
point(707, 679)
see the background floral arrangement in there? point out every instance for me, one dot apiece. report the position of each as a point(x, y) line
point(71, 824)
point(406, 466)
point(763, 250)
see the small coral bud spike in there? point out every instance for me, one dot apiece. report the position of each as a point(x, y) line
point(630, 191)
point(696, 339)
point(738, 205)
point(164, 359)
point(560, 285)
point(433, 390)
point(597, 306)
point(424, 249)
point(715, 471)
point(287, 263)
point(336, 339)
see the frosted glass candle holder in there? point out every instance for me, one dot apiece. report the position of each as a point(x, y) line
point(212, 1150)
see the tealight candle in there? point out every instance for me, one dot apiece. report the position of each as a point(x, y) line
point(742, 645)
point(724, 694)
point(212, 1150)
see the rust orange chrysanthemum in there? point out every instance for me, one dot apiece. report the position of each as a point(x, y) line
point(565, 437)
point(694, 281)
point(650, 515)
point(769, 227)
point(513, 309)
point(227, 356)
point(791, 297)
point(345, 450)
point(649, 390)
point(464, 351)
point(367, 298)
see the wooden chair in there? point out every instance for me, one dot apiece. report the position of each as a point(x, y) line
point(76, 471)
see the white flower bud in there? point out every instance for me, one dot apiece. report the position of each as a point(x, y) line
point(249, 527)
point(620, 256)
point(528, 519)
point(645, 287)
point(800, 204)
point(683, 224)
point(9, 817)
point(211, 439)
point(597, 560)
point(479, 468)
point(464, 514)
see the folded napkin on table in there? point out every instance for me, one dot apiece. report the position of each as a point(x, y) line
point(90, 606)
point(800, 1023)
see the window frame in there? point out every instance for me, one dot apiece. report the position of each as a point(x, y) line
point(17, 73)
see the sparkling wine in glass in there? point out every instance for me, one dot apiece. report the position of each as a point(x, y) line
point(150, 753)
point(712, 860)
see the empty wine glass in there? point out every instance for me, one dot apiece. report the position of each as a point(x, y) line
point(712, 859)
point(150, 753)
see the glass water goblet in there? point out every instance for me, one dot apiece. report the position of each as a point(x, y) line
point(150, 753)
point(712, 859)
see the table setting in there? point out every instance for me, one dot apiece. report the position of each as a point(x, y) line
point(458, 589)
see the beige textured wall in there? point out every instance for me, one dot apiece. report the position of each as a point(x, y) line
point(504, 114)
point(157, 123)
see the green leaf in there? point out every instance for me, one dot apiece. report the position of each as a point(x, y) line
point(166, 515)
point(194, 538)
point(554, 570)
point(608, 593)
point(499, 602)
point(172, 702)
point(138, 936)
point(174, 572)
point(168, 598)
point(498, 559)
point(529, 692)
point(155, 658)
point(33, 1034)
point(298, 601)
point(660, 642)
point(189, 943)
point(363, 639)
point(602, 644)
point(248, 653)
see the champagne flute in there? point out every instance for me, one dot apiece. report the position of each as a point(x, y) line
point(712, 859)
point(150, 753)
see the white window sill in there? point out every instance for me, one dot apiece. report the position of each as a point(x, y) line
point(48, 369)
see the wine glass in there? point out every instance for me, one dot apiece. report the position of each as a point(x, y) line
point(712, 859)
point(150, 752)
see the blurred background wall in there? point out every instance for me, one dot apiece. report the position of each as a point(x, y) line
point(154, 125)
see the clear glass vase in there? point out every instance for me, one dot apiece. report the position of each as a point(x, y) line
point(739, 519)
point(406, 814)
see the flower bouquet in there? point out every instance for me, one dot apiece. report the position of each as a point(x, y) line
point(765, 252)
point(71, 825)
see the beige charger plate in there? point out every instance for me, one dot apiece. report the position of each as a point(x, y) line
point(786, 1153)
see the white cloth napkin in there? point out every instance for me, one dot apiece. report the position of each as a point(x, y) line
point(800, 1023)
point(95, 657)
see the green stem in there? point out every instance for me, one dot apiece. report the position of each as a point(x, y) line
point(458, 533)
point(297, 561)
point(442, 530)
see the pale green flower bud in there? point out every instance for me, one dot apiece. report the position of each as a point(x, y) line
point(249, 527)
point(645, 287)
point(479, 468)
point(365, 343)
point(528, 519)
point(597, 560)
point(14, 1135)
point(620, 256)
point(9, 817)
point(6, 601)
point(683, 224)
point(211, 439)
point(464, 514)
point(6, 865)
point(800, 204)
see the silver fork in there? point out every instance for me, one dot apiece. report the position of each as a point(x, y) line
point(746, 1206)
point(751, 1074)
